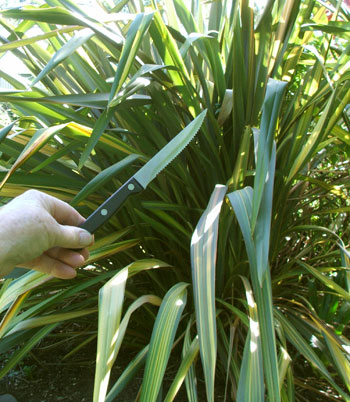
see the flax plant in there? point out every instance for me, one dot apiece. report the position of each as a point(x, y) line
point(235, 258)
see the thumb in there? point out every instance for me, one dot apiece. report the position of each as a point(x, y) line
point(73, 237)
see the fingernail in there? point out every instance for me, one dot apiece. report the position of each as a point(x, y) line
point(86, 238)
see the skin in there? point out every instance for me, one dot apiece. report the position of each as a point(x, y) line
point(38, 231)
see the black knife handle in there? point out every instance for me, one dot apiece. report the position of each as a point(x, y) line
point(111, 205)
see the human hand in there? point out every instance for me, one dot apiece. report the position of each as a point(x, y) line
point(39, 231)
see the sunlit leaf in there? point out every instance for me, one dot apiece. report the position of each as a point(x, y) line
point(65, 51)
point(203, 261)
point(187, 360)
point(252, 366)
point(162, 339)
point(133, 39)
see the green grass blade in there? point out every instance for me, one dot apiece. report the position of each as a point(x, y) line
point(327, 281)
point(155, 300)
point(324, 124)
point(102, 178)
point(110, 330)
point(162, 339)
point(186, 363)
point(171, 14)
point(203, 261)
point(241, 201)
point(98, 130)
point(5, 130)
point(110, 249)
point(284, 364)
point(303, 347)
point(263, 224)
point(299, 342)
point(54, 15)
point(240, 169)
point(128, 374)
point(111, 299)
point(28, 346)
point(340, 357)
point(271, 106)
point(37, 141)
point(171, 56)
point(131, 46)
point(33, 39)
point(98, 101)
point(209, 49)
point(251, 380)
point(190, 379)
point(185, 17)
point(46, 305)
point(338, 347)
point(50, 319)
point(333, 27)
point(65, 51)
point(21, 285)
point(12, 312)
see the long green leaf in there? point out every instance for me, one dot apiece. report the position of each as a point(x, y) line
point(36, 142)
point(65, 51)
point(190, 379)
point(272, 104)
point(251, 380)
point(29, 345)
point(98, 130)
point(162, 339)
point(111, 299)
point(50, 319)
point(203, 262)
point(133, 39)
point(304, 348)
point(19, 286)
point(326, 280)
point(27, 41)
point(241, 201)
point(133, 367)
point(54, 15)
point(110, 330)
point(102, 178)
point(5, 130)
point(186, 363)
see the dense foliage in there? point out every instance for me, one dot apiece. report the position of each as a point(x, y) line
point(241, 240)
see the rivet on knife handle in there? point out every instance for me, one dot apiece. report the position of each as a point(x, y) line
point(111, 205)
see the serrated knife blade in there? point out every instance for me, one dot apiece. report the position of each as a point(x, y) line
point(140, 180)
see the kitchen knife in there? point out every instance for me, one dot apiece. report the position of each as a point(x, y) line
point(143, 176)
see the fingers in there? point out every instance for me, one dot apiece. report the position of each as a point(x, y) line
point(62, 222)
point(72, 237)
point(59, 262)
point(38, 223)
point(70, 257)
point(60, 210)
point(50, 266)
point(63, 212)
